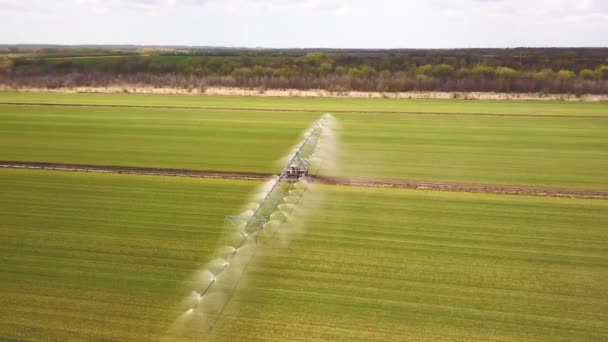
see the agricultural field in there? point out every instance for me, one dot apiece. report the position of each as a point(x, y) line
point(105, 258)
point(101, 256)
point(382, 265)
point(542, 144)
point(333, 105)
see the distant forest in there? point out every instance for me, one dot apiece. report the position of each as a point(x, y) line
point(528, 70)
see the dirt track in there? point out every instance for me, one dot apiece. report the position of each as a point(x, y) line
point(231, 91)
point(466, 187)
point(134, 170)
point(350, 181)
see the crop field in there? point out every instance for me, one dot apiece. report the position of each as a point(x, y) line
point(105, 258)
point(108, 257)
point(569, 149)
point(102, 257)
point(333, 105)
point(386, 264)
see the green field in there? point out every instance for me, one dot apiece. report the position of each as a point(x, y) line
point(215, 140)
point(104, 257)
point(405, 265)
point(536, 108)
point(564, 149)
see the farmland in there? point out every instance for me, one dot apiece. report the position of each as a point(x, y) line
point(95, 256)
point(354, 105)
point(106, 257)
point(542, 144)
point(380, 264)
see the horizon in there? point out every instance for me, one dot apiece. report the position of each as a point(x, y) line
point(110, 45)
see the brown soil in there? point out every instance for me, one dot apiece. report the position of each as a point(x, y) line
point(350, 181)
point(134, 170)
point(227, 91)
point(466, 187)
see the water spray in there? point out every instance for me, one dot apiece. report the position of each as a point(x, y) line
point(274, 205)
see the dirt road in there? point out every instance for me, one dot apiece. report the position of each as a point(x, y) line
point(345, 181)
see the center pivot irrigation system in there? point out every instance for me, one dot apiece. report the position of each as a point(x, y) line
point(278, 202)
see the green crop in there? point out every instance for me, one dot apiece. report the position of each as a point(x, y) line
point(377, 264)
point(103, 257)
point(563, 149)
point(97, 256)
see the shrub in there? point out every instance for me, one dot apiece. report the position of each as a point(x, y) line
point(587, 74)
point(385, 74)
point(442, 71)
point(317, 58)
point(242, 73)
point(355, 72)
point(545, 74)
point(368, 72)
point(565, 75)
point(424, 70)
point(506, 73)
point(602, 72)
point(326, 68)
point(483, 72)
point(6, 64)
point(463, 73)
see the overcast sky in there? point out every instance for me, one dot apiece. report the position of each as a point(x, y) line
point(308, 23)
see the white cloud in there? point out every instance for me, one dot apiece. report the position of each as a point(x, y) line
point(308, 23)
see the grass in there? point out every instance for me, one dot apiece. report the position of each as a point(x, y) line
point(107, 257)
point(540, 108)
point(386, 265)
point(103, 257)
point(560, 152)
point(521, 150)
point(175, 138)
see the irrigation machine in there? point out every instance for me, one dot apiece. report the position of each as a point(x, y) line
point(272, 207)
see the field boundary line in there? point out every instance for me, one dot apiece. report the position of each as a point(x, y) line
point(147, 171)
point(290, 110)
point(501, 189)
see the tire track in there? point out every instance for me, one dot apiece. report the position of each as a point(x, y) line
point(343, 181)
point(135, 170)
point(501, 189)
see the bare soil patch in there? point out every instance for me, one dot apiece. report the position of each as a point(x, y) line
point(466, 187)
point(345, 181)
point(227, 91)
point(134, 170)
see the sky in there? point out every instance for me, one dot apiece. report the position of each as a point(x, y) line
point(308, 23)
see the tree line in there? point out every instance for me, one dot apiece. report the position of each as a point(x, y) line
point(500, 70)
